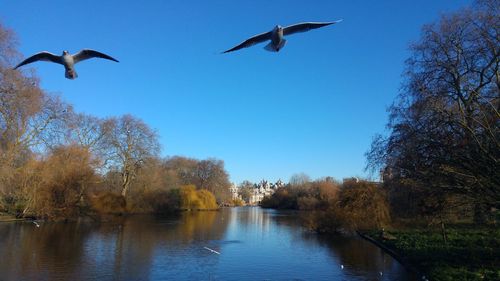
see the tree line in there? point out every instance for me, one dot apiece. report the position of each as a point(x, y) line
point(333, 206)
point(58, 163)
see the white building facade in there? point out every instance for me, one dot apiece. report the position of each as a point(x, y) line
point(234, 192)
point(263, 189)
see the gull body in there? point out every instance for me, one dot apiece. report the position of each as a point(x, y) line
point(277, 34)
point(277, 40)
point(66, 59)
point(69, 65)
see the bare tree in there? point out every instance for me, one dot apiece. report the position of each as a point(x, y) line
point(300, 179)
point(445, 125)
point(207, 174)
point(89, 132)
point(8, 50)
point(182, 169)
point(211, 175)
point(131, 142)
point(29, 119)
point(245, 190)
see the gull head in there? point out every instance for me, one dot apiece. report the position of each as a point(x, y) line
point(65, 53)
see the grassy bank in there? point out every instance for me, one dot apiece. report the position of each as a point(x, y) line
point(470, 253)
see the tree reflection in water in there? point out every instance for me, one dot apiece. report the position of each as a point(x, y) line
point(255, 244)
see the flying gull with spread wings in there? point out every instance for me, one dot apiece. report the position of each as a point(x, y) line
point(277, 35)
point(66, 59)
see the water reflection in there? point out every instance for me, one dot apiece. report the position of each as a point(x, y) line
point(40, 253)
point(255, 244)
point(356, 257)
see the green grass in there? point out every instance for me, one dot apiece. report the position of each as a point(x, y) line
point(471, 253)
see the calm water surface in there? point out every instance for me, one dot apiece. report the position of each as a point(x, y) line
point(254, 244)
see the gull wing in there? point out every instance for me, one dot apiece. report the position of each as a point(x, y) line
point(252, 41)
point(86, 54)
point(42, 56)
point(305, 26)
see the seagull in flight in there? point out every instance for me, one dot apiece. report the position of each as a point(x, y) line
point(66, 59)
point(276, 35)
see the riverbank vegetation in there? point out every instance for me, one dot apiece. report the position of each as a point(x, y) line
point(56, 163)
point(337, 207)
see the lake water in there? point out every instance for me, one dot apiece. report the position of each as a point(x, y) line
point(254, 244)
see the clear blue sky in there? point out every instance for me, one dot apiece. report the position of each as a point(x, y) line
point(313, 107)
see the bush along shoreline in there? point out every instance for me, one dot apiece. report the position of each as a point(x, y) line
point(106, 205)
point(442, 248)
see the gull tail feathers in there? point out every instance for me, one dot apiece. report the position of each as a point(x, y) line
point(273, 48)
point(70, 74)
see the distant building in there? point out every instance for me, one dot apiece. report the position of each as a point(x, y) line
point(234, 192)
point(263, 189)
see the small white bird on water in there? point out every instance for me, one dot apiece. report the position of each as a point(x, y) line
point(277, 35)
point(66, 59)
point(36, 224)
